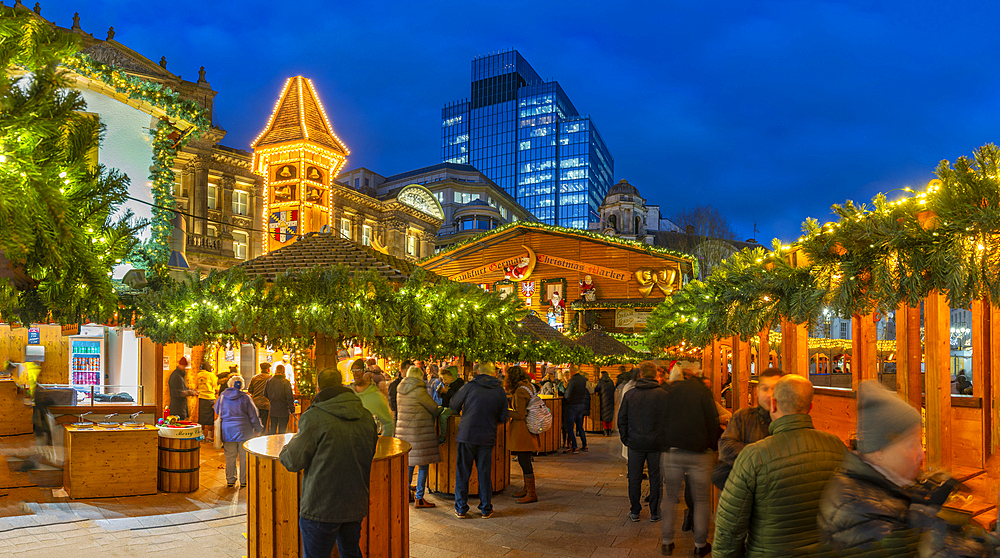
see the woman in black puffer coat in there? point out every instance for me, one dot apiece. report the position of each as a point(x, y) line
point(606, 389)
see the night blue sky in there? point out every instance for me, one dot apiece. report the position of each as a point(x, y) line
point(770, 111)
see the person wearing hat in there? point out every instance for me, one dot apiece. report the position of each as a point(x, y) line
point(179, 390)
point(207, 385)
point(872, 506)
point(371, 397)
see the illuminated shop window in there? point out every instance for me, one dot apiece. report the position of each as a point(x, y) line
point(366, 235)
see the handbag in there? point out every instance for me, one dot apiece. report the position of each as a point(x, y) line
point(217, 443)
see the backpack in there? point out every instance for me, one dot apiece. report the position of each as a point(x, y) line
point(537, 417)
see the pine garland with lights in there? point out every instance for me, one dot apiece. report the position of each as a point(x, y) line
point(874, 258)
point(166, 140)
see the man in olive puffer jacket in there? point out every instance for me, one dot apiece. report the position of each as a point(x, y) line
point(771, 499)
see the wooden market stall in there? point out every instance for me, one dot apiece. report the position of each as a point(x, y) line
point(106, 462)
point(15, 416)
point(561, 274)
point(602, 344)
point(274, 492)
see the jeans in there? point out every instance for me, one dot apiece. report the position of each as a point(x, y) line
point(421, 479)
point(235, 450)
point(318, 538)
point(573, 416)
point(278, 425)
point(698, 467)
point(636, 459)
point(482, 456)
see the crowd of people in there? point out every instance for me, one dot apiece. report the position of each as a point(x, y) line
point(785, 487)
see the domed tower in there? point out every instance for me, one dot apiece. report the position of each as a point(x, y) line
point(298, 154)
point(623, 212)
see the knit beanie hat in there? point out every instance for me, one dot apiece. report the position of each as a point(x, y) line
point(883, 417)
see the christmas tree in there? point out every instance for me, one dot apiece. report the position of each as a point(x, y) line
point(62, 228)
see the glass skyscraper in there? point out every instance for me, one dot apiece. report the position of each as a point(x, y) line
point(525, 134)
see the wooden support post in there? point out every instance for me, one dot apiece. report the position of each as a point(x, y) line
point(909, 355)
point(763, 351)
point(864, 350)
point(795, 348)
point(982, 370)
point(741, 372)
point(158, 366)
point(991, 382)
point(708, 358)
point(937, 338)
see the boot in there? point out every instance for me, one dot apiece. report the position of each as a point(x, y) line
point(524, 489)
point(529, 487)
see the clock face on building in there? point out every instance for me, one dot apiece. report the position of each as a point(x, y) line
point(285, 172)
point(314, 174)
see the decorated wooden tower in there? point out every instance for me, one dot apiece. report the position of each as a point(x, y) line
point(299, 156)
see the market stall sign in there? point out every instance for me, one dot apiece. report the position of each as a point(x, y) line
point(34, 336)
point(517, 269)
point(630, 317)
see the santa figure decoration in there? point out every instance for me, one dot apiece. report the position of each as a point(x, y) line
point(556, 309)
point(518, 271)
point(588, 291)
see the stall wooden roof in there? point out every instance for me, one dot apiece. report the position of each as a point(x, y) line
point(533, 326)
point(328, 249)
point(601, 343)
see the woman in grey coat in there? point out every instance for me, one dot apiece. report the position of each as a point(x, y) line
point(415, 423)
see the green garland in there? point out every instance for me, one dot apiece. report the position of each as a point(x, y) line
point(165, 139)
point(634, 244)
point(598, 305)
point(874, 258)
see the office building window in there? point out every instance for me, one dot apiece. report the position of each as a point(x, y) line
point(345, 228)
point(357, 182)
point(366, 235)
point(366, 183)
point(213, 196)
point(465, 197)
point(843, 330)
point(241, 202)
point(180, 190)
point(241, 241)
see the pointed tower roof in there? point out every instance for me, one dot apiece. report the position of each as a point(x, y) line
point(299, 116)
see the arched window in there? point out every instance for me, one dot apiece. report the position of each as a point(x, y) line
point(613, 221)
point(638, 224)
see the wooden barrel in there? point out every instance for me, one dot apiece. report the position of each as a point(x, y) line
point(441, 476)
point(551, 439)
point(179, 464)
point(274, 492)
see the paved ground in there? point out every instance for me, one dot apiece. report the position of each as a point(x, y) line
point(582, 511)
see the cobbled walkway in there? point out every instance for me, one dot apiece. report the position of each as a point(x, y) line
point(583, 511)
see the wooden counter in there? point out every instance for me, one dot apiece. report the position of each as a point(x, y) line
point(15, 416)
point(273, 501)
point(551, 439)
point(102, 462)
point(441, 476)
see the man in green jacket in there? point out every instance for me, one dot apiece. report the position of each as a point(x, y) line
point(770, 503)
point(372, 398)
point(335, 446)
